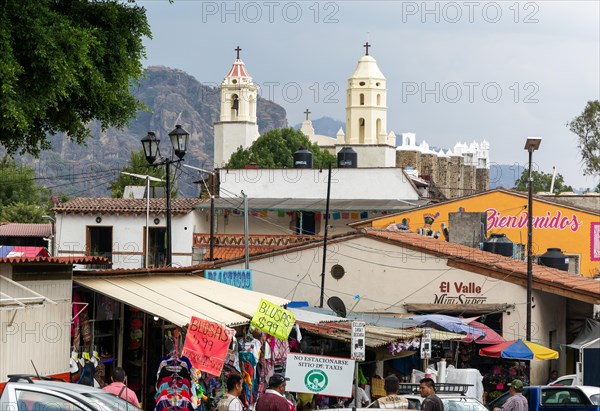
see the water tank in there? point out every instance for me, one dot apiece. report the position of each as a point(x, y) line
point(303, 158)
point(554, 258)
point(499, 244)
point(347, 158)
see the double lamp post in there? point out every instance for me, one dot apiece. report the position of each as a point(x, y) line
point(179, 140)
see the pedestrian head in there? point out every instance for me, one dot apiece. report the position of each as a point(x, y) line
point(277, 383)
point(391, 384)
point(516, 386)
point(426, 387)
point(118, 375)
point(234, 384)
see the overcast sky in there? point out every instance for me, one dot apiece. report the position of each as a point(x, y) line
point(456, 71)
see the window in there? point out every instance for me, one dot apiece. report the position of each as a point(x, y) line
point(562, 396)
point(99, 241)
point(362, 99)
point(40, 401)
point(378, 99)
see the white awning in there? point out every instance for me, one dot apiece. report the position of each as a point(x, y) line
point(176, 298)
point(14, 295)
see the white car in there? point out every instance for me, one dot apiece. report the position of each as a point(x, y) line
point(565, 380)
point(27, 394)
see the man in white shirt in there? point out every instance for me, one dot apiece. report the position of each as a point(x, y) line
point(231, 401)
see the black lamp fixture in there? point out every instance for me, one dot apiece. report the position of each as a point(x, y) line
point(179, 140)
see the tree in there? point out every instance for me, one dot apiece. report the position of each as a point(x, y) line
point(64, 63)
point(541, 182)
point(139, 165)
point(275, 149)
point(587, 127)
point(21, 199)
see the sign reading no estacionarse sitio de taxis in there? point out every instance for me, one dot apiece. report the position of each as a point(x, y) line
point(317, 374)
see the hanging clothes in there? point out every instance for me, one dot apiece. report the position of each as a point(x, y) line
point(173, 386)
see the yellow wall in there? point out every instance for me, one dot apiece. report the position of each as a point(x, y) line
point(554, 225)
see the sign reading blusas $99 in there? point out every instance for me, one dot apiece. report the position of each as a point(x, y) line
point(273, 319)
point(318, 374)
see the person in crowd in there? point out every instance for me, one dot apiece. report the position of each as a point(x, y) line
point(274, 397)
point(553, 376)
point(431, 401)
point(118, 387)
point(363, 398)
point(392, 400)
point(230, 401)
point(516, 401)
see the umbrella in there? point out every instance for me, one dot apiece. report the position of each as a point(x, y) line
point(519, 350)
point(490, 337)
point(446, 323)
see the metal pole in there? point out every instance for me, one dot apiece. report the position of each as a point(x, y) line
point(147, 221)
point(529, 245)
point(246, 239)
point(212, 215)
point(325, 237)
point(169, 245)
point(356, 404)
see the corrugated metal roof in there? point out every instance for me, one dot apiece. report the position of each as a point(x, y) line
point(25, 230)
point(317, 204)
point(126, 205)
point(177, 298)
point(325, 315)
point(14, 295)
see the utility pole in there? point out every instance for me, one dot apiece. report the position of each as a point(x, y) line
point(246, 236)
point(325, 237)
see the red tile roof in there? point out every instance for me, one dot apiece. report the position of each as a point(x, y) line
point(233, 252)
point(57, 260)
point(25, 230)
point(543, 277)
point(126, 206)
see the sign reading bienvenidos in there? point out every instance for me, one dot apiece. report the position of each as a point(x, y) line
point(317, 374)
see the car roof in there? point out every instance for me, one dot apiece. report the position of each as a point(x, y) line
point(65, 387)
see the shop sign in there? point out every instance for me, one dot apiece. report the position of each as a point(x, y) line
point(206, 345)
point(317, 374)
point(273, 320)
point(459, 292)
point(237, 278)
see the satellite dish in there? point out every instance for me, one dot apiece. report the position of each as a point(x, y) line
point(337, 305)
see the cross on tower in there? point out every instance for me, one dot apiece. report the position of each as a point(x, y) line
point(366, 46)
point(307, 113)
point(238, 49)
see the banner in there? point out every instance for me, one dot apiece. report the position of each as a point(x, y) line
point(237, 278)
point(206, 345)
point(273, 320)
point(317, 374)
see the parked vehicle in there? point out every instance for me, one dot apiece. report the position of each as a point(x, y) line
point(570, 379)
point(23, 393)
point(556, 398)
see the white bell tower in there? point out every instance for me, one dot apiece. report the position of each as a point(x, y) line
point(237, 124)
point(366, 115)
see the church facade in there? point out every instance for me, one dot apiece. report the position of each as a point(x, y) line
point(450, 173)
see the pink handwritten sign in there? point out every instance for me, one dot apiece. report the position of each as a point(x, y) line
point(206, 345)
point(595, 241)
point(556, 220)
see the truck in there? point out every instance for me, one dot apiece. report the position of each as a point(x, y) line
point(556, 398)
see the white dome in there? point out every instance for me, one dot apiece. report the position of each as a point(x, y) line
point(367, 68)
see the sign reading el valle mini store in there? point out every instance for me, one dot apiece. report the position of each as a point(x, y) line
point(459, 292)
point(317, 374)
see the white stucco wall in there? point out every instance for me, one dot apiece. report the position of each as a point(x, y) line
point(346, 183)
point(386, 277)
point(128, 236)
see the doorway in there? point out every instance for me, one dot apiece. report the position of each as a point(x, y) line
point(157, 244)
point(99, 241)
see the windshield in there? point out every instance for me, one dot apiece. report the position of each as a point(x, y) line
point(106, 401)
point(462, 404)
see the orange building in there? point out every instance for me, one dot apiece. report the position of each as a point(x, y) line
point(575, 230)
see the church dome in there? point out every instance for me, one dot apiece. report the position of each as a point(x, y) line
point(237, 75)
point(367, 68)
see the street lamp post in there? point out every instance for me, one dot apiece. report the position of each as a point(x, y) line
point(532, 144)
point(179, 140)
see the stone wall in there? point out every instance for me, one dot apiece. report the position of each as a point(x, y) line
point(449, 177)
